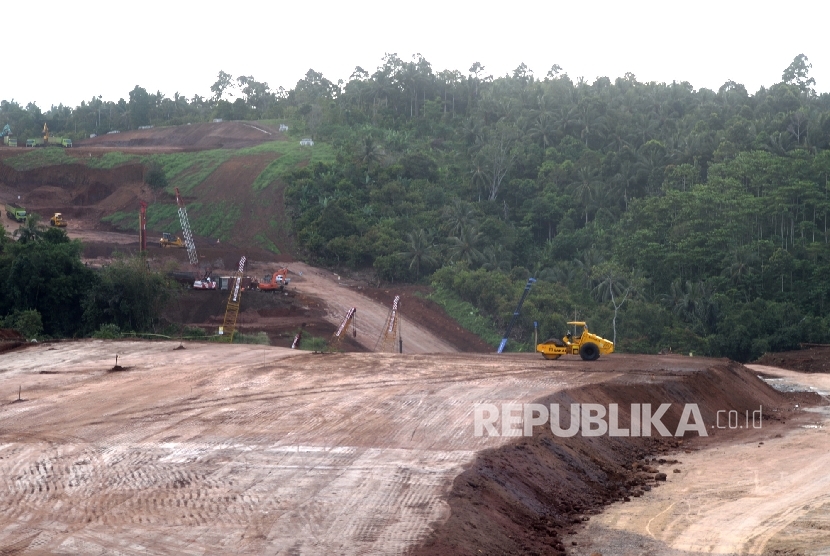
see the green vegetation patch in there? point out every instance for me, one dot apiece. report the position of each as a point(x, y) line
point(205, 220)
point(213, 220)
point(110, 160)
point(123, 220)
point(39, 157)
point(265, 242)
point(187, 170)
point(260, 338)
point(467, 316)
point(291, 156)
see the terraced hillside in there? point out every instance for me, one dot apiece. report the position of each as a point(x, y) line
point(229, 173)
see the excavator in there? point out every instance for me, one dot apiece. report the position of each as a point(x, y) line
point(587, 345)
point(275, 281)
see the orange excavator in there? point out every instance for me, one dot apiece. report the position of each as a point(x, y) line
point(275, 281)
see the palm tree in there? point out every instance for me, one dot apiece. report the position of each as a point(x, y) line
point(496, 257)
point(585, 189)
point(31, 230)
point(369, 152)
point(741, 268)
point(458, 215)
point(419, 250)
point(464, 247)
point(586, 265)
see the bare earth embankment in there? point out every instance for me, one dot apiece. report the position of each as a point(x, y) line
point(762, 493)
point(259, 450)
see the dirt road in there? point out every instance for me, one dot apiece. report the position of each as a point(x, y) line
point(371, 315)
point(242, 449)
point(767, 494)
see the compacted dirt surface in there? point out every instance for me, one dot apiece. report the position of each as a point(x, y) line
point(213, 448)
point(764, 492)
point(189, 137)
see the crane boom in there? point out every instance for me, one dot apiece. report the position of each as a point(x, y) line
point(188, 237)
point(234, 299)
point(530, 282)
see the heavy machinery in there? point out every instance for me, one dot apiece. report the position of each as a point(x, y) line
point(6, 134)
point(49, 140)
point(57, 221)
point(391, 333)
point(142, 226)
point(274, 282)
point(188, 236)
point(228, 328)
point(205, 284)
point(338, 336)
point(16, 212)
point(530, 282)
point(168, 241)
point(587, 345)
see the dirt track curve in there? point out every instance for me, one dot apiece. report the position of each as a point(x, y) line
point(371, 315)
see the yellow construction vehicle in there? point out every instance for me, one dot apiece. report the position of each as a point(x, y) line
point(58, 221)
point(168, 241)
point(586, 345)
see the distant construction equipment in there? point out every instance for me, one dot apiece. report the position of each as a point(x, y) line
point(167, 240)
point(229, 326)
point(16, 212)
point(6, 134)
point(298, 338)
point(391, 334)
point(57, 221)
point(188, 237)
point(274, 282)
point(338, 336)
point(142, 226)
point(516, 313)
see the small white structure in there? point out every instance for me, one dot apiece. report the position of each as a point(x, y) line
point(307, 142)
point(283, 127)
point(217, 120)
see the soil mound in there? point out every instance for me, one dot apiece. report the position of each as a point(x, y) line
point(810, 360)
point(96, 183)
point(522, 498)
point(10, 339)
point(196, 136)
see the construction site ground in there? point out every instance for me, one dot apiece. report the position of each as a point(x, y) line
point(207, 448)
point(201, 448)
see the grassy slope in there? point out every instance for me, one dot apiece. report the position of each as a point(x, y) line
point(189, 170)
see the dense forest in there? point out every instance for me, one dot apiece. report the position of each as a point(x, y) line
point(663, 215)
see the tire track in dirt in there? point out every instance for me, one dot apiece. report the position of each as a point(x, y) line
point(767, 494)
point(241, 449)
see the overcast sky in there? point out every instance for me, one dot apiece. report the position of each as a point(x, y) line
point(71, 50)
